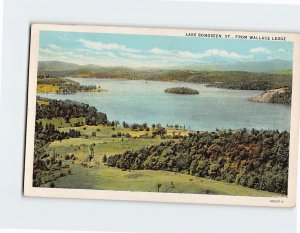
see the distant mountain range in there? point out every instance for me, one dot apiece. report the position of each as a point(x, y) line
point(57, 66)
point(253, 66)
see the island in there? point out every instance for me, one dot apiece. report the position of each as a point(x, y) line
point(182, 91)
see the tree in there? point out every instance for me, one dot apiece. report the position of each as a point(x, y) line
point(153, 126)
point(104, 160)
point(125, 125)
point(158, 186)
point(67, 118)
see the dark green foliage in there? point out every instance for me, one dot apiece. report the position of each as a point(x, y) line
point(121, 135)
point(159, 130)
point(104, 160)
point(182, 91)
point(158, 186)
point(50, 134)
point(43, 162)
point(255, 159)
point(125, 125)
point(46, 164)
point(69, 109)
point(231, 79)
point(244, 80)
point(137, 127)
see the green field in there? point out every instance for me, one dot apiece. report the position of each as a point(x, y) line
point(94, 174)
point(101, 177)
point(60, 122)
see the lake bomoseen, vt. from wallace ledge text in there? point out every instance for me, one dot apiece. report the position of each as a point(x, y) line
point(141, 101)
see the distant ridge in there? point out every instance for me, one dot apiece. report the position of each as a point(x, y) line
point(44, 66)
point(57, 66)
point(253, 66)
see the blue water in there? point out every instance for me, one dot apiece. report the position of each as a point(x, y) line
point(139, 101)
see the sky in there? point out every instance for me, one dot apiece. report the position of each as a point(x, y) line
point(154, 51)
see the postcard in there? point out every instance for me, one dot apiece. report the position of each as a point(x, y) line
point(165, 115)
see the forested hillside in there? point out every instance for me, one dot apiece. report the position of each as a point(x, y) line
point(47, 166)
point(255, 159)
point(68, 109)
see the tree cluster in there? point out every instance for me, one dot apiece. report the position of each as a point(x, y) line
point(121, 135)
point(42, 161)
point(70, 109)
point(251, 158)
point(181, 91)
point(50, 134)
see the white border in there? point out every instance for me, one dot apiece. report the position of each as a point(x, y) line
point(288, 201)
point(281, 2)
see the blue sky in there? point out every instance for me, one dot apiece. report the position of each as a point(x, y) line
point(154, 51)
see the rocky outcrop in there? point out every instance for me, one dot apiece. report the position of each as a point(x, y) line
point(279, 95)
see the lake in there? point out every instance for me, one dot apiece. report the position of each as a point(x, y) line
point(139, 101)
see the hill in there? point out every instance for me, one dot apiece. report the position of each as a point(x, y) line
point(254, 159)
point(57, 66)
point(253, 66)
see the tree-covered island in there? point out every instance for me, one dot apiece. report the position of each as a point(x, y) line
point(182, 91)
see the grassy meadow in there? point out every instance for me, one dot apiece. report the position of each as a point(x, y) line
point(95, 174)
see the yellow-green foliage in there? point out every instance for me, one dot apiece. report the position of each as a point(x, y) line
point(47, 88)
point(42, 102)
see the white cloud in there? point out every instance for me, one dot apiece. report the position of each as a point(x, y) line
point(273, 57)
point(281, 50)
point(134, 56)
point(188, 55)
point(205, 54)
point(53, 46)
point(159, 51)
point(45, 51)
point(260, 50)
point(113, 54)
point(106, 46)
point(225, 54)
